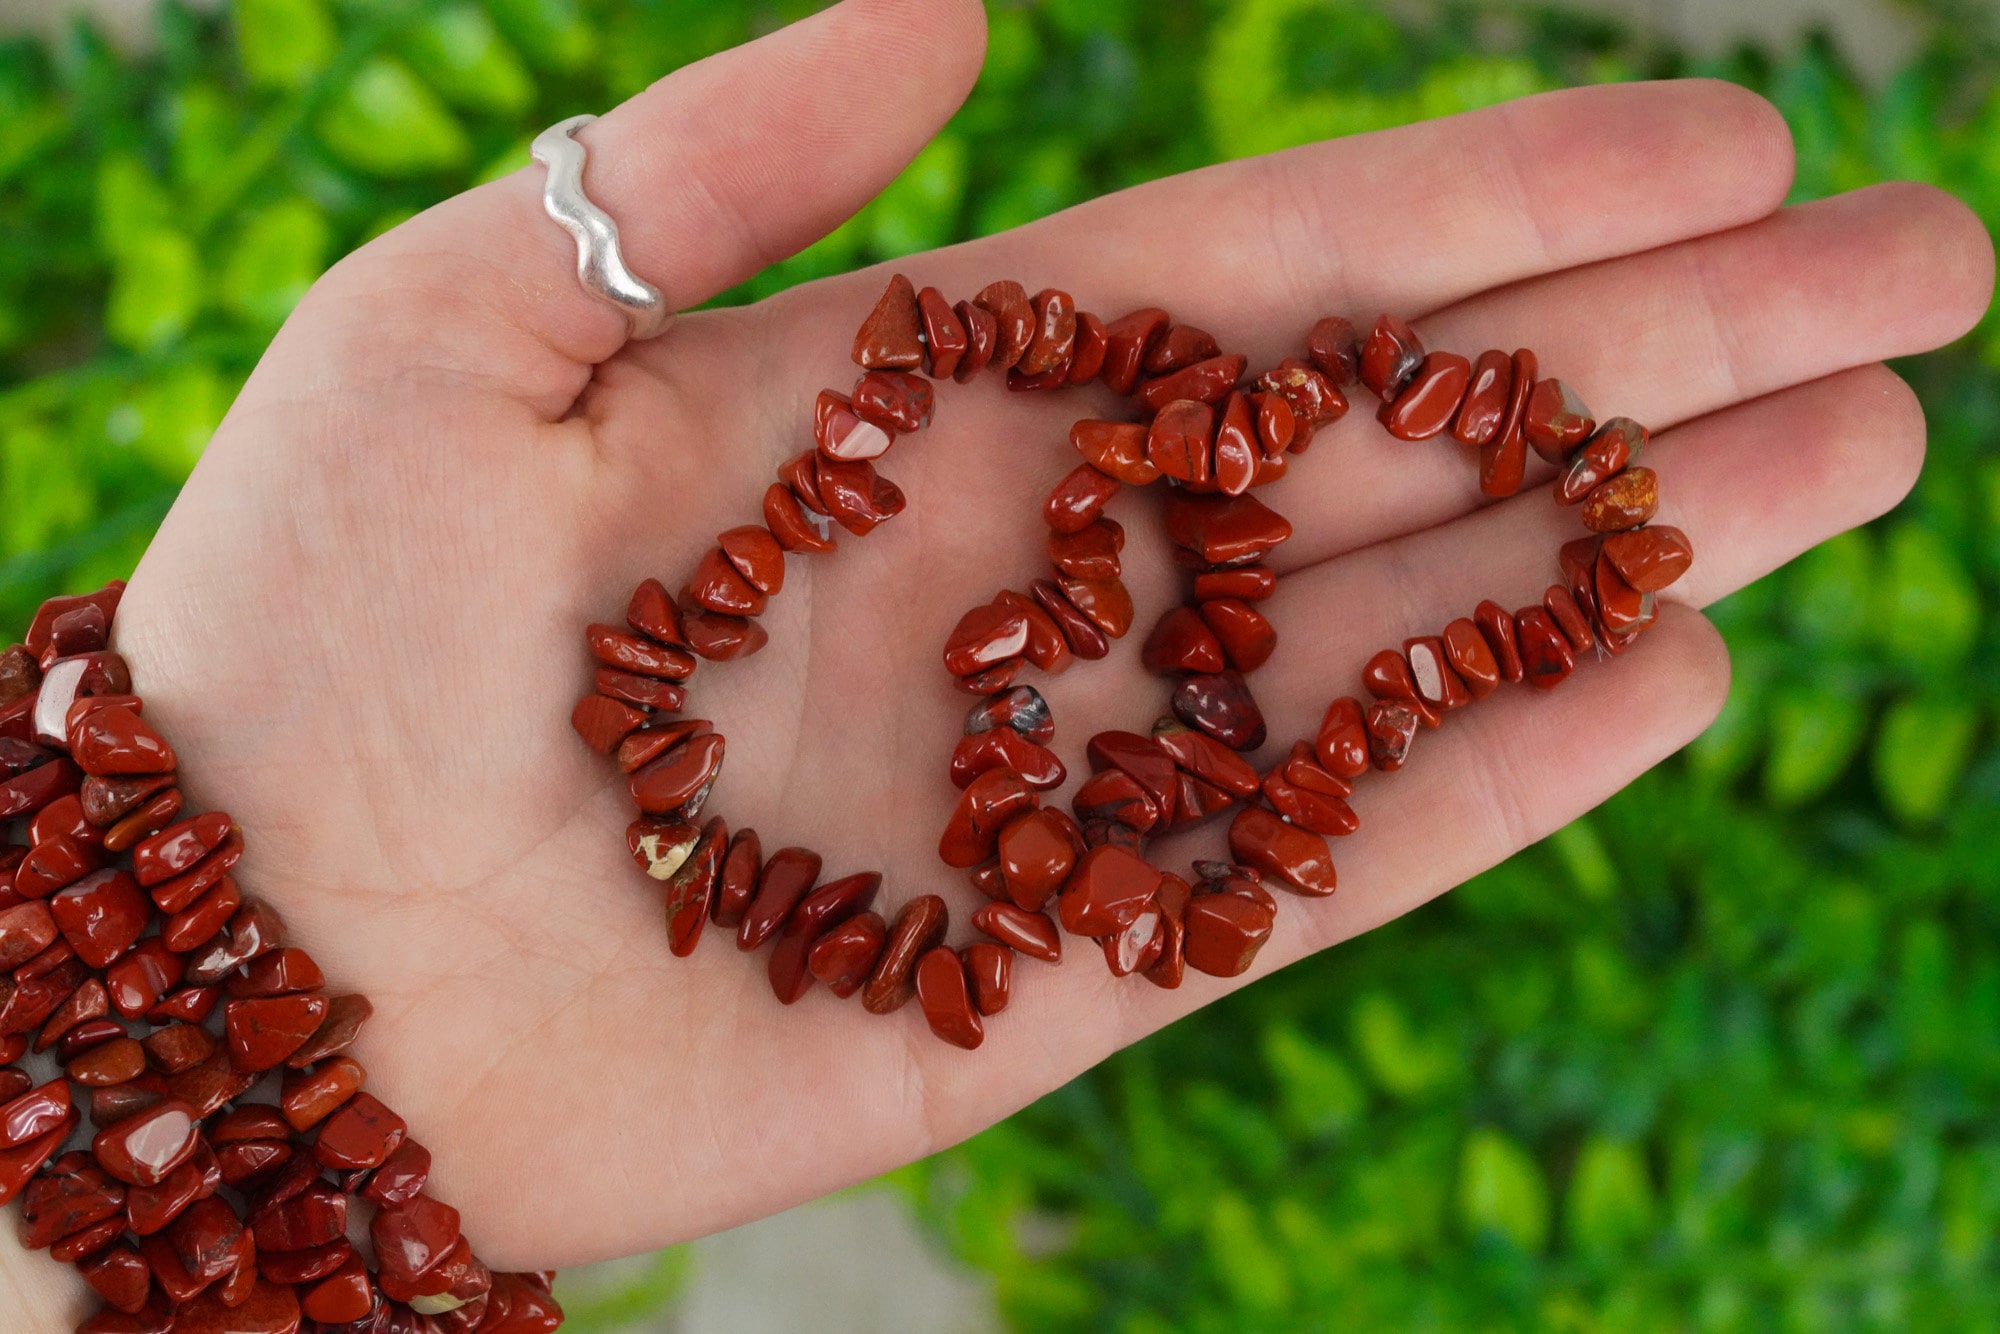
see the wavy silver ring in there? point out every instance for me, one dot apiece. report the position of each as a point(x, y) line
point(600, 265)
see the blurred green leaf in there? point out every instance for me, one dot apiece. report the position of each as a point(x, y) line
point(1501, 1191)
point(1815, 733)
point(1926, 608)
point(1610, 1206)
point(156, 289)
point(1921, 752)
point(386, 122)
point(276, 256)
point(461, 54)
point(283, 43)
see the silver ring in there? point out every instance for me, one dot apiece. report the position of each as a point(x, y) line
point(600, 264)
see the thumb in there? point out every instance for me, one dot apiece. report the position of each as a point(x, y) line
point(718, 170)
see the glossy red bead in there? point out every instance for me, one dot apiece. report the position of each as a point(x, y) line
point(1222, 933)
point(892, 335)
point(1108, 890)
point(1649, 558)
point(101, 916)
point(1429, 402)
point(143, 1148)
point(918, 928)
point(945, 993)
point(116, 742)
point(361, 1134)
point(263, 1032)
point(824, 908)
point(846, 954)
point(785, 879)
point(1031, 933)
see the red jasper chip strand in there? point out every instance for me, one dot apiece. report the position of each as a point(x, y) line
point(125, 929)
point(1210, 437)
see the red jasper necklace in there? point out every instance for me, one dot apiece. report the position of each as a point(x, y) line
point(1212, 440)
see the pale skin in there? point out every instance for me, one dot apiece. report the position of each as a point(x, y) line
point(361, 623)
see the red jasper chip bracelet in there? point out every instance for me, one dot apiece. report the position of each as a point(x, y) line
point(232, 1150)
point(1213, 438)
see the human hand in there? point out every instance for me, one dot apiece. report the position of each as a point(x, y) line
point(360, 624)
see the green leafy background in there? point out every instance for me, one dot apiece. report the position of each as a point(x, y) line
point(1723, 1055)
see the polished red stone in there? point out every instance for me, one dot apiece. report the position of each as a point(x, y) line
point(1083, 635)
point(1035, 857)
point(517, 1306)
point(1615, 444)
point(1209, 380)
point(1091, 553)
point(1277, 429)
point(1147, 762)
point(843, 433)
point(336, 1033)
point(736, 883)
point(309, 1098)
point(307, 1266)
point(401, 1176)
point(19, 1163)
point(859, 498)
point(1237, 452)
point(263, 1032)
point(1169, 951)
point(1114, 796)
point(1311, 810)
point(1106, 603)
point(824, 908)
point(893, 401)
point(1220, 704)
point(1224, 530)
point(1180, 442)
point(361, 1134)
point(156, 814)
point(189, 1005)
point(1203, 757)
point(690, 889)
point(647, 744)
point(73, 1194)
point(204, 1238)
point(278, 973)
point(1108, 890)
point(1297, 859)
point(86, 1001)
point(101, 916)
point(679, 779)
point(1429, 402)
point(650, 612)
point(1387, 676)
point(26, 929)
point(1484, 409)
point(982, 338)
point(1392, 729)
point(315, 1216)
point(1078, 499)
point(172, 895)
point(990, 970)
point(410, 1239)
point(35, 1115)
point(206, 1087)
point(1437, 684)
point(1471, 658)
point(29, 791)
point(795, 527)
point(625, 652)
point(1054, 338)
point(1503, 459)
point(1222, 933)
point(1087, 358)
point(1314, 399)
point(1342, 740)
point(720, 637)
point(117, 741)
point(1334, 349)
point(1004, 748)
point(1179, 345)
point(945, 993)
point(718, 586)
point(944, 333)
point(1014, 320)
point(1047, 648)
point(1182, 641)
point(1546, 656)
point(1620, 607)
point(603, 722)
point(985, 636)
point(1248, 639)
point(1389, 357)
point(53, 863)
point(175, 1047)
point(1032, 933)
point(144, 1147)
point(120, 1276)
point(846, 954)
point(918, 928)
point(1570, 617)
point(986, 805)
point(892, 335)
point(1649, 558)
point(784, 880)
point(1496, 627)
point(1556, 420)
point(115, 1062)
point(1127, 340)
point(106, 801)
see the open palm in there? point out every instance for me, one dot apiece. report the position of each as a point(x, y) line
point(361, 623)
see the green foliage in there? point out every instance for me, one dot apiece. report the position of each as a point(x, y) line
point(1722, 1056)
